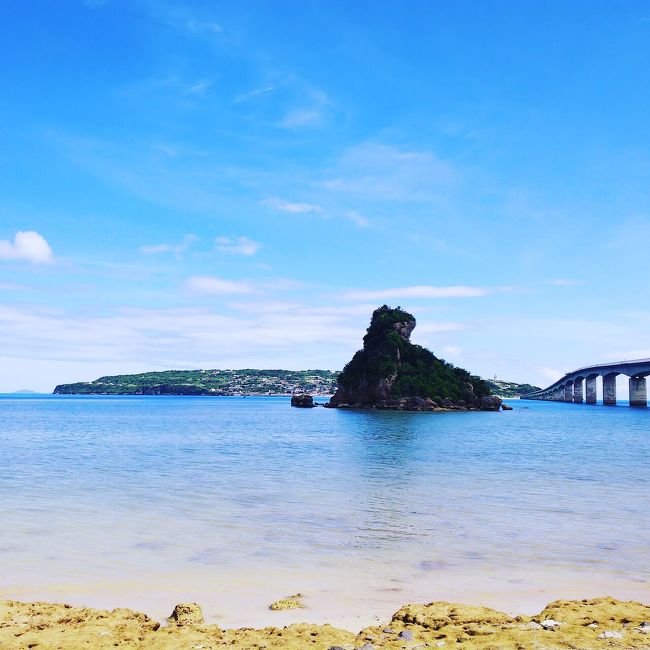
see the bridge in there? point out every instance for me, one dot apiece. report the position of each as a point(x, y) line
point(580, 385)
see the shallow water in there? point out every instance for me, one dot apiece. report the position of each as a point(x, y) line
point(147, 501)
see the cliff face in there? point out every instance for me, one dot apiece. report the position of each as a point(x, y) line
point(390, 372)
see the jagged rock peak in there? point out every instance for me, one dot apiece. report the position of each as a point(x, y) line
point(386, 319)
point(390, 372)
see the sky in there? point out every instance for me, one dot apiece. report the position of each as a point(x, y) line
point(232, 185)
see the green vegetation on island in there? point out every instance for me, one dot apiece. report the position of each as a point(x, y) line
point(209, 382)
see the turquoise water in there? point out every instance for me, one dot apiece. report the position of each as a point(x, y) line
point(146, 501)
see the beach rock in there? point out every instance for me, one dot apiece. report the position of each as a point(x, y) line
point(506, 407)
point(187, 614)
point(611, 634)
point(644, 628)
point(531, 625)
point(287, 603)
point(406, 635)
point(388, 630)
point(440, 614)
point(302, 401)
point(549, 624)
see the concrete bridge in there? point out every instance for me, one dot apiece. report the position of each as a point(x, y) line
point(580, 385)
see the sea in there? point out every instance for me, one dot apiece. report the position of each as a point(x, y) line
point(233, 503)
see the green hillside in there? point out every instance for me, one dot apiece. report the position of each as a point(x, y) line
point(209, 382)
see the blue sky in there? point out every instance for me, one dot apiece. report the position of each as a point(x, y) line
point(212, 184)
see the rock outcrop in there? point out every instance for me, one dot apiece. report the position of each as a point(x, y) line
point(390, 372)
point(563, 624)
point(302, 401)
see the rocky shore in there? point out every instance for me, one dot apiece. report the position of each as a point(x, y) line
point(578, 624)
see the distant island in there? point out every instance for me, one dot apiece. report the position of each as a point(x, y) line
point(392, 373)
point(509, 389)
point(209, 382)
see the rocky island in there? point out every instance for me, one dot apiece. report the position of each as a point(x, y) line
point(390, 372)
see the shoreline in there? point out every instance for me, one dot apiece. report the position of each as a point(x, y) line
point(590, 623)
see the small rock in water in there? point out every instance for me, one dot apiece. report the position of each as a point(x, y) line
point(187, 614)
point(406, 635)
point(550, 624)
point(611, 634)
point(287, 603)
point(302, 401)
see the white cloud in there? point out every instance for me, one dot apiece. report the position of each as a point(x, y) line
point(211, 285)
point(420, 291)
point(451, 349)
point(357, 219)
point(28, 246)
point(295, 208)
point(237, 245)
point(183, 246)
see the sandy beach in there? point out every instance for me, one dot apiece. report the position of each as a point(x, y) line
point(578, 624)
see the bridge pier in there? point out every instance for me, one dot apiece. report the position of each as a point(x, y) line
point(609, 390)
point(592, 395)
point(577, 390)
point(568, 392)
point(638, 395)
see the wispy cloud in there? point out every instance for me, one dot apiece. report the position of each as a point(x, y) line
point(357, 219)
point(552, 374)
point(419, 291)
point(296, 208)
point(563, 282)
point(244, 97)
point(197, 26)
point(211, 285)
point(177, 249)
point(27, 246)
point(375, 170)
point(311, 114)
point(237, 245)
point(199, 88)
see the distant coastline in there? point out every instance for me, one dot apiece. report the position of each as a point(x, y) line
point(237, 383)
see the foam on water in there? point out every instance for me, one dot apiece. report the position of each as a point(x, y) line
point(147, 501)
